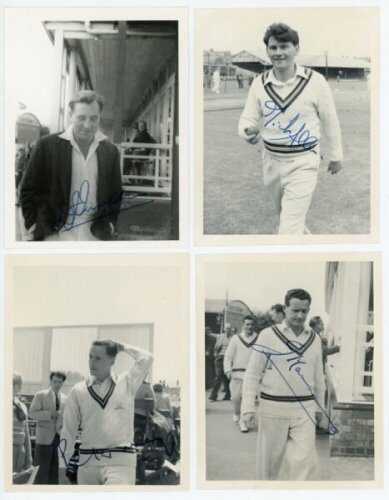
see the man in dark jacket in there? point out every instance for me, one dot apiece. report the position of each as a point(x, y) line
point(72, 189)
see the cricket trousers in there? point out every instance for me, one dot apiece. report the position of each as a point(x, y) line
point(290, 182)
point(108, 474)
point(236, 385)
point(286, 438)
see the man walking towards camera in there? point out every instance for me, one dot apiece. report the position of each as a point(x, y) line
point(288, 106)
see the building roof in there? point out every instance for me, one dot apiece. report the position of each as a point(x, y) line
point(318, 61)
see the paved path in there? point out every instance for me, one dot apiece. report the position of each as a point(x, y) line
point(231, 454)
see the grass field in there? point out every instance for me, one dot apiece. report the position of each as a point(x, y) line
point(235, 201)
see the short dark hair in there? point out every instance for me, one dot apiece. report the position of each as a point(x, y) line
point(87, 97)
point(278, 308)
point(110, 347)
point(314, 321)
point(297, 293)
point(282, 33)
point(58, 374)
point(158, 387)
point(248, 317)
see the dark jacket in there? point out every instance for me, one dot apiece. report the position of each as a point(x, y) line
point(45, 190)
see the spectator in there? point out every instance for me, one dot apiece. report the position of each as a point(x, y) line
point(222, 341)
point(22, 459)
point(47, 409)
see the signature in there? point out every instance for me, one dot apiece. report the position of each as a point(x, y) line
point(294, 364)
point(68, 213)
point(296, 133)
point(99, 453)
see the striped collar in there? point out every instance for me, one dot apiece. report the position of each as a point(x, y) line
point(93, 380)
point(296, 344)
point(270, 77)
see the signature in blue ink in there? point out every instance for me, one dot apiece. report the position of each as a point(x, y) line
point(298, 360)
point(101, 453)
point(296, 133)
point(68, 214)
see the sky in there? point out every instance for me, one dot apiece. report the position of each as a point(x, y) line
point(29, 65)
point(260, 285)
point(337, 31)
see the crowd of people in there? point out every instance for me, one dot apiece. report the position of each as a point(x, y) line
point(281, 369)
point(90, 432)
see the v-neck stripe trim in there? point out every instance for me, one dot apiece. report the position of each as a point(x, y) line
point(284, 103)
point(290, 344)
point(101, 401)
point(248, 344)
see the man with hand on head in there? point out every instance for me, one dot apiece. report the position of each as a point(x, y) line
point(72, 190)
point(236, 359)
point(288, 106)
point(288, 363)
point(102, 407)
point(47, 409)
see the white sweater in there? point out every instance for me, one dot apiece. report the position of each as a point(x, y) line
point(290, 372)
point(237, 355)
point(291, 115)
point(107, 423)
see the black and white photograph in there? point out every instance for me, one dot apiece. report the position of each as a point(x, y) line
point(290, 347)
point(96, 400)
point(287, 124)
point(94, 138)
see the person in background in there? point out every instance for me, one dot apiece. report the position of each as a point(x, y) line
point(277, 313)
point(317, 325)
point(21, 445)
point(222, 341)
point(236, 359)
point(47, 409)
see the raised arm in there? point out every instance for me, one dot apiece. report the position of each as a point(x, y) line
point(143, 360)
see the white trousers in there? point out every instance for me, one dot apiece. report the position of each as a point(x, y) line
point(290, 183)
point(108, 474)
point(236, 385)
point(291, 439)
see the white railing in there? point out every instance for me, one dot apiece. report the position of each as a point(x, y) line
point(364, 361)
point(146, 168)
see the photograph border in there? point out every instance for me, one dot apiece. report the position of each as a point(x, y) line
point(180, 261)
point(202, 239)
point(202, 481)
point(168, 13)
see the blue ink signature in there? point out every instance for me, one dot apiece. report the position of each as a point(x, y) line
point(301, 137)
point(269, 353)
point(101, 453)
point(67, 213)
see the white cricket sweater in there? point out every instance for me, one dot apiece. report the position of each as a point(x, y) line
point(290, 371)
point(107, 423)
point(291, 115)
point(237, 355)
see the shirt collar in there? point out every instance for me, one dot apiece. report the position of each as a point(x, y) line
point(270, 77)
point(68, 136)
point(93, 380)
point(285, 329)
